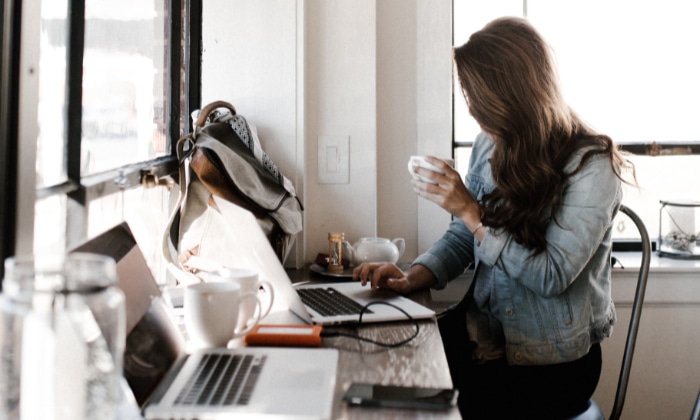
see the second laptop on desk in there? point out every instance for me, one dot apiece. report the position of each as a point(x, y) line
point(167, 382)
point(254, 252)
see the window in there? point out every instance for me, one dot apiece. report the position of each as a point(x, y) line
point(628, 69)
point(123, 56)
point(116, 82)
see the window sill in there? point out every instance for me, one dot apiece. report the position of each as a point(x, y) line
point(657, 265)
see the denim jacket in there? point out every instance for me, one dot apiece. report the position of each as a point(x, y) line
point(552, 306)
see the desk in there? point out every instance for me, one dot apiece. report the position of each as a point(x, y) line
point(421, 362)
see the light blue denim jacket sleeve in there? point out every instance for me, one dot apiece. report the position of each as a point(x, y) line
point(555, 304)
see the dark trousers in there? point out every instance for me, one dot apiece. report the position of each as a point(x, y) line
point(495, 390)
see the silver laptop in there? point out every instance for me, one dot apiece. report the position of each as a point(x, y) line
point(216, 383)
point(254, 252)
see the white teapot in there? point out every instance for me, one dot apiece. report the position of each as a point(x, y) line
point(375, 250)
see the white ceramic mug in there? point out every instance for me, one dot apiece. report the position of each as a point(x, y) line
point(250, 283)
point(212, 312)
point(419, 161)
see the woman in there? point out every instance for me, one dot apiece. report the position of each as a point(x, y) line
point(534, 216)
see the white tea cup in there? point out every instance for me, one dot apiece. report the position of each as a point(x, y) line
point(212, 312)
point(420, 161)
point(250, 283)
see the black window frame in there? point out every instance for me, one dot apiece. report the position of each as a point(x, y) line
point(9, 119)
point(184, 40)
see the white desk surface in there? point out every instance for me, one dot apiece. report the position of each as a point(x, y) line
point(421, 362)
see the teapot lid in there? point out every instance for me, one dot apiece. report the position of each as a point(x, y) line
point(373, 239)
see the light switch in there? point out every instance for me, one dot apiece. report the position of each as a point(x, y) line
point(333, 159)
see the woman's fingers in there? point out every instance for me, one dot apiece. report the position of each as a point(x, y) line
point(381, 275)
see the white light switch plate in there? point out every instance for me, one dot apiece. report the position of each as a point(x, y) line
point(333, 159)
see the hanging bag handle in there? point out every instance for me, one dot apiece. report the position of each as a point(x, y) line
point(172, 227)
point(207, 110)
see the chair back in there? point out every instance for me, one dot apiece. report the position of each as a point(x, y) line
point(695, 415)
point(636, 314)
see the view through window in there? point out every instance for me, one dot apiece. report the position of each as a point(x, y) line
point(123, 112)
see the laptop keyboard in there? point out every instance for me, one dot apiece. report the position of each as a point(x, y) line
point(222, 379)
point(330, 302)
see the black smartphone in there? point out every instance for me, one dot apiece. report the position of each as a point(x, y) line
point(400, 396)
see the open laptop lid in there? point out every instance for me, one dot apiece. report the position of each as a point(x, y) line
point(154, 342)
point(254, 252)
point(156, 364)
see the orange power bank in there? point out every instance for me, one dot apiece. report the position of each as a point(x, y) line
point(284, 335)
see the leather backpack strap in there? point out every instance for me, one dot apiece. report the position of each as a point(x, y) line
point(185, 148)
point(207, 110)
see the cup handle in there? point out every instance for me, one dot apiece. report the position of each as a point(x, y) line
point(401, 245)
point(268, 289)
point(256, 315)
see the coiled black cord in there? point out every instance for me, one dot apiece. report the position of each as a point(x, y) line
point(326, 333)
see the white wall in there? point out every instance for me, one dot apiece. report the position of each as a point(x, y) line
point(341, 92)
point(414, 113)
point(376, 72)
point(250, 60)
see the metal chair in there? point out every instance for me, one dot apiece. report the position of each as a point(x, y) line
point(593, 411)
point(696, 409)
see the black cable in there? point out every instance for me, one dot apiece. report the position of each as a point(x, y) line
point(325, 333)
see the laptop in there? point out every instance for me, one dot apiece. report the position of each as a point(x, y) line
point(169, 382)
point(254, 252)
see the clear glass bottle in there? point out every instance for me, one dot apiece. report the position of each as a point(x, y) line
point(62, 337)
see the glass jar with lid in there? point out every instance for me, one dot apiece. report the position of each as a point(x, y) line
point(679, 229)
point(62, 337)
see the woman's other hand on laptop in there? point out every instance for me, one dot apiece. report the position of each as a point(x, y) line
point(388, 275)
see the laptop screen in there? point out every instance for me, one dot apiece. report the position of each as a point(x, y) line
point(154, 341)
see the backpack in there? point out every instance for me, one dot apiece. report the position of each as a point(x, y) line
point(223, 157)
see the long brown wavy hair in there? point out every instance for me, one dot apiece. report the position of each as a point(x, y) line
point(509, 80)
